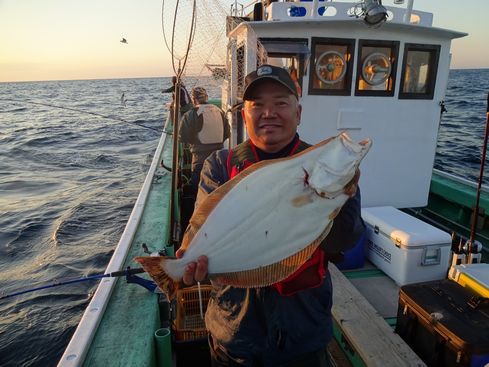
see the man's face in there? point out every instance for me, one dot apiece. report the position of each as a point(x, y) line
point(272, 116)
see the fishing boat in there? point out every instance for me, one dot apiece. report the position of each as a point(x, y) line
point(371, 70)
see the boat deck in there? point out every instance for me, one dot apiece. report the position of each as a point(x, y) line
point(132, 314)
point(364, 310)
point(377, 288)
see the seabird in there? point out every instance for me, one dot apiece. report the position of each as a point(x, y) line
point(123, 40)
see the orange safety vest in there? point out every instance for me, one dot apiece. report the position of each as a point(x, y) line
point(311, 273)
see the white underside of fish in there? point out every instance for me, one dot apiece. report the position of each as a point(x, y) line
point(269, 213)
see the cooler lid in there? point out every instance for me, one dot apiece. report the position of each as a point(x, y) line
point(404, 229)
point(478, 272)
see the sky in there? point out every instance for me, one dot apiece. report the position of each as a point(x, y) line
point(68, 39)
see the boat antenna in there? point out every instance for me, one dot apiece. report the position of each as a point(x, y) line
point(481, 174)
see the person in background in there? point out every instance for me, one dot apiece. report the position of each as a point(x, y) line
point(204, 128)
point(289, 323)
point(185, 103)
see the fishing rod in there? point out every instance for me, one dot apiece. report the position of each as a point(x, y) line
point(175, 230)
point(481, 174)
point(114, 274)
point(82, 111)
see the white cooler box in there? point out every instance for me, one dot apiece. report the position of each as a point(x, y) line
point(405, 248)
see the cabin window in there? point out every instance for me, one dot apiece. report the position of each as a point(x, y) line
point(376, 68)
point(290, 54)
point(331, 66)
point(419, 68)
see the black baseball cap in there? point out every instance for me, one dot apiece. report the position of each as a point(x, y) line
point(271, 72)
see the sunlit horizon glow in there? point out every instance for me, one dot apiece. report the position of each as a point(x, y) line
point(70, 40)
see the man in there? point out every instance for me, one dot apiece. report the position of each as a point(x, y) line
point(204, 128)
point(290, 323)
point(185, 104)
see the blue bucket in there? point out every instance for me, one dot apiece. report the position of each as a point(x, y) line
point(354, 258)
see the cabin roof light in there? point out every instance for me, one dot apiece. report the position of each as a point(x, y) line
point(374, 12)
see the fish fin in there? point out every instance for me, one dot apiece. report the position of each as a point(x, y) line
point(154, 266)
point(212, 200)
point(265, 275)
point(273, 273)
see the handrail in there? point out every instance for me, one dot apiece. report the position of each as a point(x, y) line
point(77, 349)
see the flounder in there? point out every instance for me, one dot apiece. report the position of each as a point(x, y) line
point(261, 226)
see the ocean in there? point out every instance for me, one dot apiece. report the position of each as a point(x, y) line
point(72, 161)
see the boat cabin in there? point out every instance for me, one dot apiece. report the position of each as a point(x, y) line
point(385, 82)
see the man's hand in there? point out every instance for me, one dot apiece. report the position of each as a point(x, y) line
point(351, 187)
point(195, 271)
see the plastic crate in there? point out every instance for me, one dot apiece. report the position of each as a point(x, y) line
point(188, 324)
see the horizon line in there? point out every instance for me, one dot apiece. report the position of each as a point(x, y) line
point(150, 77)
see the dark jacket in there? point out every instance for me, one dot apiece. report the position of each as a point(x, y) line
point(184, 96)
point(259, 325)
point(192, 123)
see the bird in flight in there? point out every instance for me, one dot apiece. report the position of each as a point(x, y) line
point(123, 99)
point(123, 40)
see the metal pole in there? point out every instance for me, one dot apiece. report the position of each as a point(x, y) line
point(481, 174)
point(314, 8)
point(175, 171)
point(409, 11)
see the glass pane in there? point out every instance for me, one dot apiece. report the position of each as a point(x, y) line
point(293, 65)
point(376, 69)
point(330, 66)
point(416, 72)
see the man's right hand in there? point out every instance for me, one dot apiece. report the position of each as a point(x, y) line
point(195, 271)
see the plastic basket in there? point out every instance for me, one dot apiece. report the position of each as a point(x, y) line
point(188, 324)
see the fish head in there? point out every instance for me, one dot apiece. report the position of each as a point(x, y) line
point(336, 165)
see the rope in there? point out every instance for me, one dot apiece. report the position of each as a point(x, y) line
point(191, 36)
point(82, 111)
point(200, 302)
point(163, 25)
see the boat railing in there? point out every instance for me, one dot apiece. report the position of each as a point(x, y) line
point(78, 347)
point(459, 179)
point(300, 10)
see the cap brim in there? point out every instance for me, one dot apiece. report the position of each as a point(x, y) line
point(249, 88)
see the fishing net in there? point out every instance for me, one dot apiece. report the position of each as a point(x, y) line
point(195, 33)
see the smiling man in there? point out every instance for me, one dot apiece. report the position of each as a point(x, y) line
point(289, 323)
point(271, 109)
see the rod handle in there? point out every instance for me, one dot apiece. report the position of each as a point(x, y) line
point(128, 271)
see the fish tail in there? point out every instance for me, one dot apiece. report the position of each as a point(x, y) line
point(155, 267)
